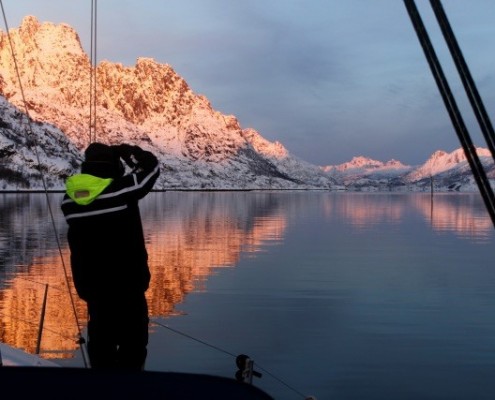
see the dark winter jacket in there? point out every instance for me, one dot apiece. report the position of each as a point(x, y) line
point(105, 235)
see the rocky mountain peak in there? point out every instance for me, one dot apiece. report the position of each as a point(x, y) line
point(51, 38)
point(394, 164)
point(48, 56)
point(147, 104)
point(367, 164)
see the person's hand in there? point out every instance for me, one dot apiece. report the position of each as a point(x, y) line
point(125, 151)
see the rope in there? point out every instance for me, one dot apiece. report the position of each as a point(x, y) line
point(30, 135)
point(92, 72)
point(193, 338)
point(228, 353)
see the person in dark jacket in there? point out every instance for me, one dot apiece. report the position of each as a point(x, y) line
point(108, 256)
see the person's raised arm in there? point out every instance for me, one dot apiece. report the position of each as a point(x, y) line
point(137, 158)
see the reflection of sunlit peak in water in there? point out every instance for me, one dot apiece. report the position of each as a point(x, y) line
point(265, 229)
point(463, 214)
point(21, 309)
point(363, 213)
point(191, 236)
point(188, 237)
point(182, 257)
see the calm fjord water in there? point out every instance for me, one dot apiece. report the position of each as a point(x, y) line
point(338, 295)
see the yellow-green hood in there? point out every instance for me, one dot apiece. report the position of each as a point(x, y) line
point(84, 188)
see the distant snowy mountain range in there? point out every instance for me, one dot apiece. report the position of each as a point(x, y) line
point(445, 171)
point(152, 106)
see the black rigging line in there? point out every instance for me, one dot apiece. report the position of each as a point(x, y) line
point(228, 353)
point(467, 80)
point(92, 73)
point(451, 105)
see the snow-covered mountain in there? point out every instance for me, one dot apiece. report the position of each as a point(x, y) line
point(445, 171)
point(150, 105)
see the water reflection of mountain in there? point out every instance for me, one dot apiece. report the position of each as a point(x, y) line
point(21, 308)
point(192, 234)
point(29, 259)
point(25, 227)
point(463, 214)
point(188, 235)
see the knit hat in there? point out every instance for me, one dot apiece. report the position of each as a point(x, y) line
point(102, 161)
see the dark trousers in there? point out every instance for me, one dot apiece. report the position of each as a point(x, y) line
point(118, 332)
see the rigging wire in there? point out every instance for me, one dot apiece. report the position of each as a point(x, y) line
point(32, 139)
point(92, 72)
point(454, 113)
point(467, 80)
point(228, 353)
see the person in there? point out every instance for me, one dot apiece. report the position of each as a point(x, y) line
point(108, 256)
